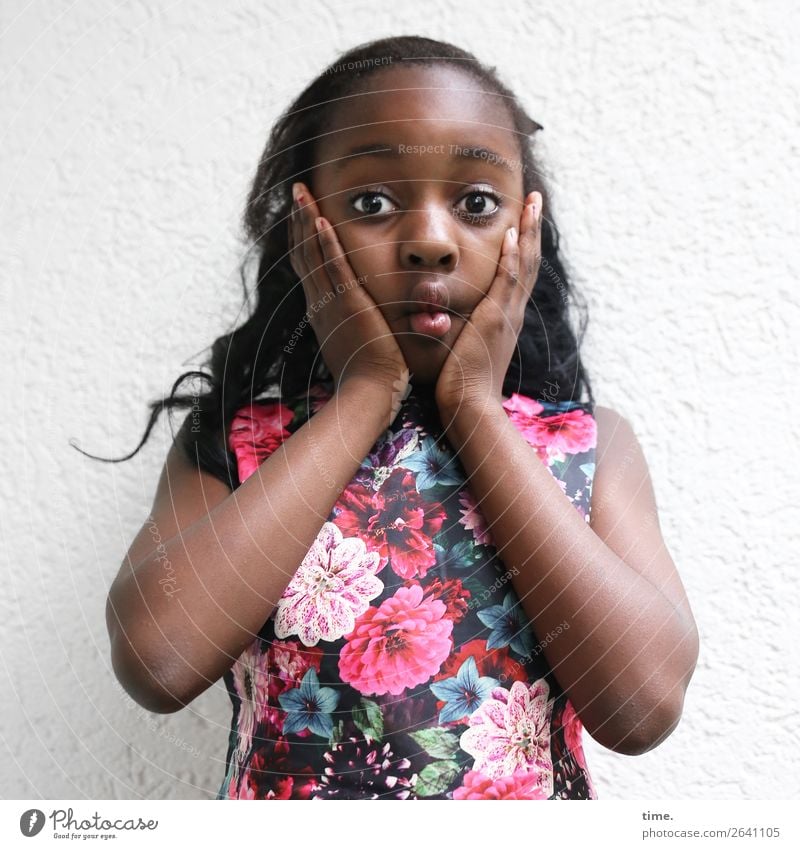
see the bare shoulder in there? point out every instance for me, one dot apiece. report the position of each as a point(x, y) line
point(624, 513)
point(620, 470)
point(612, 430)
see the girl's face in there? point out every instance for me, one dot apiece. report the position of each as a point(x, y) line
point(432, 203)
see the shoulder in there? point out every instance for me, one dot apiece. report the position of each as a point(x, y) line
point(613, 432)
point(622, 482)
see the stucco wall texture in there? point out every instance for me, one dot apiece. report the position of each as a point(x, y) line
point(130, 132)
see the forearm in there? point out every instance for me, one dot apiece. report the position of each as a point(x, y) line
point(229, 569)
point(626, 655)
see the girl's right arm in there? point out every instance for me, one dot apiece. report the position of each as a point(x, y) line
point(209, 565)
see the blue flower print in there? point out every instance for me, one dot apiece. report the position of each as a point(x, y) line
point(464, 693)
point(508, 624)
point(309, 706)
point(434, 466)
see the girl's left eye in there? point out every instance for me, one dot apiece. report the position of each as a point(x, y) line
point(475, 200)
point(478, 210)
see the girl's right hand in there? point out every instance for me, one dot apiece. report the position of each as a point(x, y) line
point(354, 338)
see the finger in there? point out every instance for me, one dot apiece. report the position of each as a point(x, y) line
point(530, 244)
point(298, 263)
point(307, 258)
point(310, 247)
point(504, 293)
point(509, 263)
point(290, 237)
point(298, 259)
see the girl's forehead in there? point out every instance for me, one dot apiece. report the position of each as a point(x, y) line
point(439, 93)
point(420, 109)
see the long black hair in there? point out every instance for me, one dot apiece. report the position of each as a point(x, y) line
point(251, 361)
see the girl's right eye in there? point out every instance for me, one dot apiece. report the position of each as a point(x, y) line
point(372, 201)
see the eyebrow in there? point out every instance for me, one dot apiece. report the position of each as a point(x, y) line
point(484, 155)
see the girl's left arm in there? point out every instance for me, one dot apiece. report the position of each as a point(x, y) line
point(631, 645)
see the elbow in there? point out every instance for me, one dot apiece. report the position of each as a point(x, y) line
point(656, 718)
point(141, 681)
point(135, 670)
point(639, 737)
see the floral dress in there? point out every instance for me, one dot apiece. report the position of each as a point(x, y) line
point(399, 663)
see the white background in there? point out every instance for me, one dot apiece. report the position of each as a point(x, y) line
point(130, 132)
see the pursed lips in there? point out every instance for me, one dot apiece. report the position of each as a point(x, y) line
point(430, 296)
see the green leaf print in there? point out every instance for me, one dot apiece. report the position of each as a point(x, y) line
point(475, 588)
point(337, 735)
point(368, 718)
point(437, 742)
point(436, 778)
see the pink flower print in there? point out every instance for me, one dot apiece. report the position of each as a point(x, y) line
point(333, 586)
point(555, 436)
point(567, 433)
point(250, 674)
point(511, 731)
point(255, 432)
point(522, 410)
point(521, 785)
point(400, 644)
point(473, 519)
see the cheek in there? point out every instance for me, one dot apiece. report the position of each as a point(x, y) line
point(479, 272)
point(365, 258)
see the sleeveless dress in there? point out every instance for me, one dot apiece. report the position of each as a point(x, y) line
point(398, 663)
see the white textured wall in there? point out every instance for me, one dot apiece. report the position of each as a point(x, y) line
point(130, 131)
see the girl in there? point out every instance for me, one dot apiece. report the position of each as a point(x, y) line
point(419, 562)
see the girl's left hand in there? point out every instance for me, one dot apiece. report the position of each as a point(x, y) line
point(476, 366)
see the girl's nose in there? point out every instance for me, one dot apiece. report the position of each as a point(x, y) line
point(428, 242)
point(432, 255)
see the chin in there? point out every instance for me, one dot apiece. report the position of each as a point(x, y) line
point(424, 358)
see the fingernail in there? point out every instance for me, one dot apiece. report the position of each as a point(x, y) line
point(296, 191)
point(319, 223)
point(512, 235)
point(537, 207)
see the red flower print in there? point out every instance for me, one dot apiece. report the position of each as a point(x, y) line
point(573, 733)
point(255, 432)
point(273, 774)
point(396, 521)
point(453, 594)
